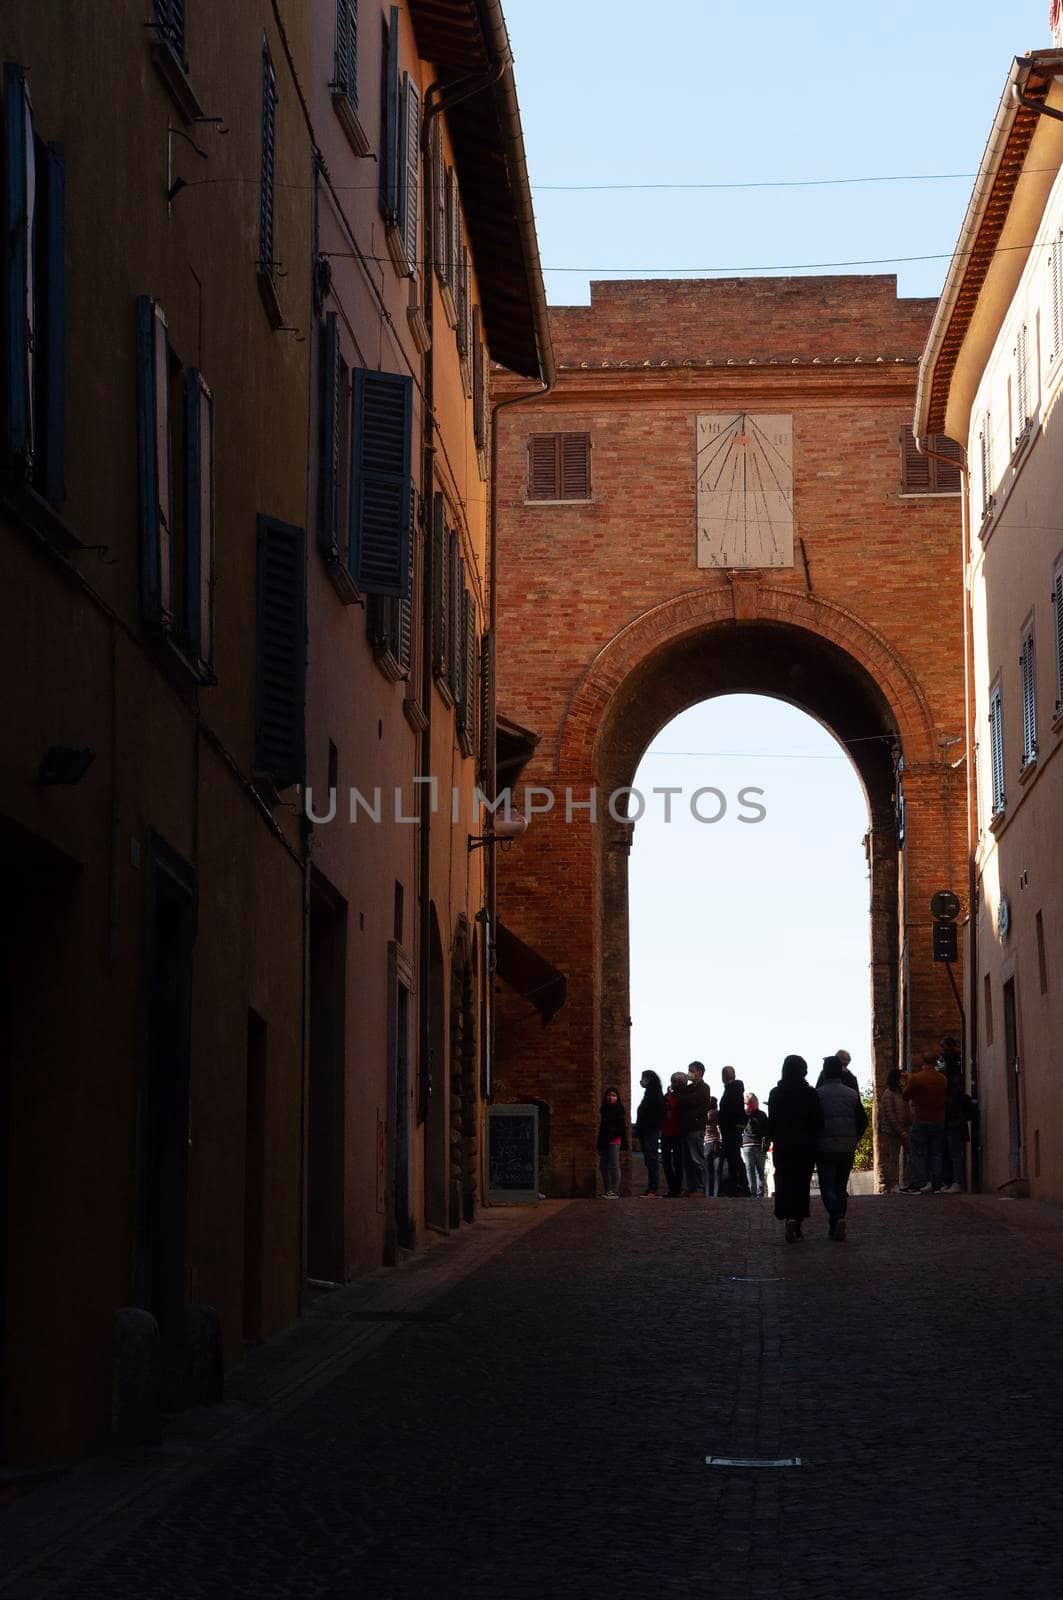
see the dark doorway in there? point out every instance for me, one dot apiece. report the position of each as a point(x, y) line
point(161, 1270)
point(435, 1128)
point(399, 1229)
point(464, 1079)
point(324, 1171)
point(1012, 1066)
point(254, 1176)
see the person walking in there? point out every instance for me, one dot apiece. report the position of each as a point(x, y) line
point(648, 1120)
point(844, 1122)
point(755, 1145)
point(672, 1138)
point(795, 1118)
point(732, 1115)
point(926, 1091)
point(612, 1138)
point(893, 1121)
point(693, 1116)
point(957, 1116)
point(713, 1150)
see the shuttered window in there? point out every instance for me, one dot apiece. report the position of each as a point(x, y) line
point(480, 382)
point(330, 442)
point(346, 71)
point(1057, 602)
point(439, 202)
point(455, 623)
point(153, 459)
point(440, 585)
point(1055, 267)
point(468, 698)
point(559, 466)
point(487, 689)
point(1029, 698)
point(925, 474)
point(409, 167)
point(381, 482)
point(390, 110)
point(267, 177)
point(280, 677)
point(996, 750)
point(33, 315)
point(464, 311)
point(170, 22)
point(198, 619)
point(985, 451)
point(1022, 383)
point(389, 622)
point(453, 225)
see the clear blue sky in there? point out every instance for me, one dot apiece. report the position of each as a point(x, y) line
point(749, 941)
point(697, 93)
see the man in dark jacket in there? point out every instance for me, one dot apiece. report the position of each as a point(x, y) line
point(693, 1116)
point(848, 1078)
point(844, 1122)
point(732, 1117)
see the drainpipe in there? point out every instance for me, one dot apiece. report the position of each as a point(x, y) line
point(971, 1020)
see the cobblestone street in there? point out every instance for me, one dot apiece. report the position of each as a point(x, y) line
point(540, 1427)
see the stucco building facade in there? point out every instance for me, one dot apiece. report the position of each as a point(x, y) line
point(628, 593)
point(990, 380)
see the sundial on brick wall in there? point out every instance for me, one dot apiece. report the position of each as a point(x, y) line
point(745, 491)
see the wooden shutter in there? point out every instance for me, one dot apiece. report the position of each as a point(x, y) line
point(996, 749)
point(409, 168)
point(1055, 267)
point(440, 558)
point(455, 626)
point(479, 382)
point(404, 608)
point(199, 517)
point(280, 681)
point(947, 479)
point(50, 410)
point(453, 235)
point(329, 440)
point(469, 676)
point(347, 49)
point(575, 466)
point(1029, 700)
point(985, 450)
point(464, 319)
point(487, 692)
point(389, 170)
point(381, 435)
point(1022, 380)
point(439, 202)
point(18, 214)
point(543, 457)
point(1057, 601)
point(170, 17)
point(269, 159)
point(915, 467)
point(153, 459)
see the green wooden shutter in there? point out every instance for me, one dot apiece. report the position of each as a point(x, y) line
point(381, 438)
point(390, 111)
point(409, 166)
point(153, 459)
point(199, 518)
point(18, 224)
point(280, 683)
point(439, 583)
point(456, 580)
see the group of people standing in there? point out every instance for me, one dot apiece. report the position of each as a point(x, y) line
point(710, 1147)
point(923, 1121)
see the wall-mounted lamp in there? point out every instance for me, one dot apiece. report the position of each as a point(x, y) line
point(64, 764)
point(504, 831)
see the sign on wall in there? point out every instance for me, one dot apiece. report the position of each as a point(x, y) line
point(745, 498)
point(512, 1154)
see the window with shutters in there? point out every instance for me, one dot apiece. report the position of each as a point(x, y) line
point(985, 462)
point(170, 55)
point(390, 620)
point(400, 155)
point(438, 180)
point(381, 482)
point(175, 421)
point(996, 752)
point(1027, 669)
point(928, 474)
point(1057, 619)
point(559, 466)
point(267, 244)
point(452, 245)
point(344, 85)
point(469, 695)
point(487, 684)
point(440, 587)
point(170, 26)
point(334, 458)
point(455, 623)
point(34, 300)
point(1022, 415)
point(280, 653)
point(480, 392)
point(1055, 271)
point(464, 316)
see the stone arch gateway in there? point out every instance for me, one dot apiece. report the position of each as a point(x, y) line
point(610, 623)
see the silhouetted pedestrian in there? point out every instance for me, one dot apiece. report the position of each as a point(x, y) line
point(612, 1138)
point(693, 1115)
point(713, 1149)
point(648, 1120)
point(672, 1137)
point(844, 1122)
point(755, 1145)
point(957, 1116)
point(795, 1118)
point(732, 1116)
point(848, 1078)
point(926, 1091)
point(894, 1120)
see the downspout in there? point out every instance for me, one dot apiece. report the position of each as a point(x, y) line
point(971, 1019)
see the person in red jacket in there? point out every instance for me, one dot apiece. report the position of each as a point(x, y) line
point(925, 1091)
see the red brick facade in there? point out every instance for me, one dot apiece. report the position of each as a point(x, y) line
point(607, 629)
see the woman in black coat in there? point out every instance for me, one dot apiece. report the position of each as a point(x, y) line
point(648, 1119)
point(795, 1117)
point(612, 1138)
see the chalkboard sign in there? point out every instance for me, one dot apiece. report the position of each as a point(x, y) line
point(513, 1155)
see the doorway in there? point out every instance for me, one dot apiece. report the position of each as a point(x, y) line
point(1013, 1068)
point(399, 1230)
point(326, 1110)
point(435, 1087)
point(254, 1177)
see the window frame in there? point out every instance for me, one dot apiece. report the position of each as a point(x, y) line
point(1028, 682)
point(267, 208)
point(559, 497)
point(997, 770)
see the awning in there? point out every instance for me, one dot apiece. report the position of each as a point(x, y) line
point(514, 748)
point(525, 970)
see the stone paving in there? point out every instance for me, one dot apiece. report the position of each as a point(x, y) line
point(542, 1431)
